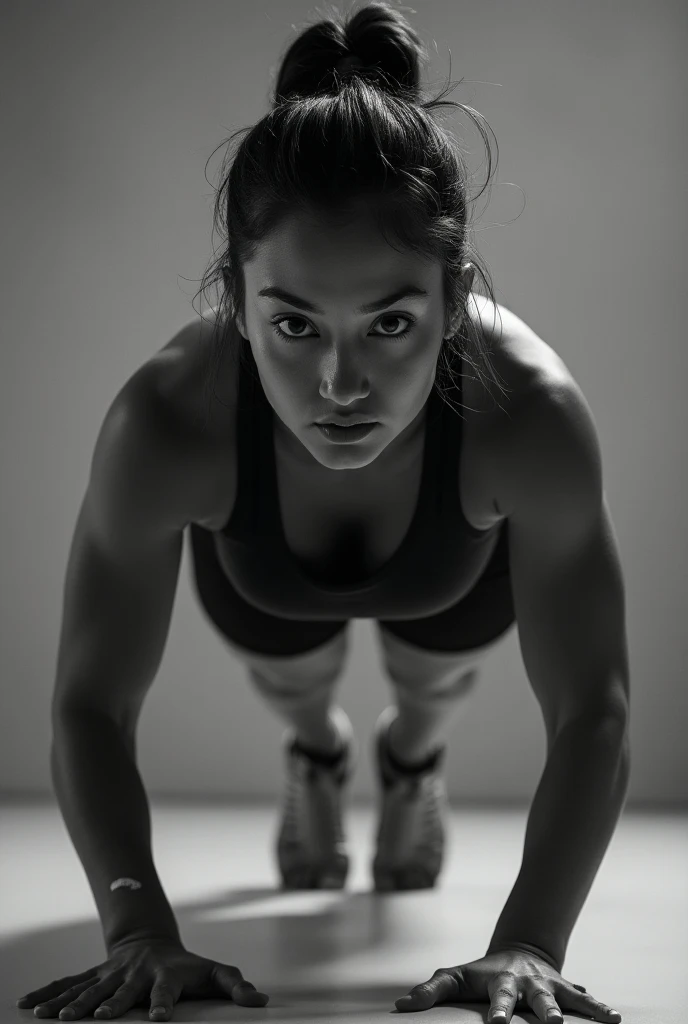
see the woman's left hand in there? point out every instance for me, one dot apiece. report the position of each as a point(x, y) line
point(503, 980)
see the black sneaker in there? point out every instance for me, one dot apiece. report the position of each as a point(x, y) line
point(311, 846)
point(411, 831)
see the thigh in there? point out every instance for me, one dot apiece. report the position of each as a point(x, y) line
point(461, 635)
point(318, 665)
point(279, 648)
point(409, 665)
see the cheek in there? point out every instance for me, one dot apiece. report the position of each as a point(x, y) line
point(285, 384)
point(410, 380)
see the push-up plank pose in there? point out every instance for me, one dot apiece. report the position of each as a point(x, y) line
point(321, 436)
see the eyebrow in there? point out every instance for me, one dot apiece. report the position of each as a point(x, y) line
point(406, 291)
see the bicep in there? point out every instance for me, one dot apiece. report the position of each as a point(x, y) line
point(121, 575)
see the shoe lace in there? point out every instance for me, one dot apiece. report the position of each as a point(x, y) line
point(312, 807)
point(411, 817)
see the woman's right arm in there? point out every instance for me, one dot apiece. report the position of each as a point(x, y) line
point(118, 596)
point(119, 591)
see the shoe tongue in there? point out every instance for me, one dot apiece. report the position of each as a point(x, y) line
point(430, 763)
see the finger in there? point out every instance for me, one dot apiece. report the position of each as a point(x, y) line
point(165, 992)
point(232, 983)
point(55, 988)
point(545, 1006)
point(246, 994)
point(503, 992)
point(87, 1001)
point(49, 1007)
point(441, 987)
point(571, 999)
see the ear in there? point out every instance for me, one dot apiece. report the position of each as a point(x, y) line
point(467, 275)
point(241, 326)
point(238, 319)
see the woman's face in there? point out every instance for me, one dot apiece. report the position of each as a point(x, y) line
point(337, 358)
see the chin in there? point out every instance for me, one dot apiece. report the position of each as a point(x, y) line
point(348, 460)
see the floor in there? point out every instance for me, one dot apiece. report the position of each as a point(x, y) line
point(347, 956)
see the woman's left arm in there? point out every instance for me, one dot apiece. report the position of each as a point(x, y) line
point(571, 821)
point(568, 591)
point(568, 594)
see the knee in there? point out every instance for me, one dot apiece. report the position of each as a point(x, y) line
point(447, 687)
point(277, 686)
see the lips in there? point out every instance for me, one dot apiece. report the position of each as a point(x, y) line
point(346, 435)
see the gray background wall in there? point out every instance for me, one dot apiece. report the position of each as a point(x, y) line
point(109, 112)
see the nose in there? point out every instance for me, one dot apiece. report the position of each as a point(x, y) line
point(343, 381)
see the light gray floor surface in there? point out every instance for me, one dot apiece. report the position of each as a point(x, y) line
point(346, 956)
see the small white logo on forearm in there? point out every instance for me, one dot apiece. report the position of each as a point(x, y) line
point(130, 882)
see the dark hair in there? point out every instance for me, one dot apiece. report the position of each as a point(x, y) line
point(348, 126)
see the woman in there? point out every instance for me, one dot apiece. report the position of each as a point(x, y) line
point(338, 461)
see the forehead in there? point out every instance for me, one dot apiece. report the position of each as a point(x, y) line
point(312, 255)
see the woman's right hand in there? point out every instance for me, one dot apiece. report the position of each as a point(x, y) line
point(140, 972)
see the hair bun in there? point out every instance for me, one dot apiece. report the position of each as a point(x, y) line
point(348, 63)
point(376, 41)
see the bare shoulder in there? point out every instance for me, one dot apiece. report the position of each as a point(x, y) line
point(533, 375)
point(194, 446)
point(180, 370)
point(523, 361)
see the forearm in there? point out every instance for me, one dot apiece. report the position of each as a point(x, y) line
point(571, 821)
point(105, 809)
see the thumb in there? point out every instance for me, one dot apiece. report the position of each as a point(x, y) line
point(421, 998)
point(240, 991)
point(443, 986)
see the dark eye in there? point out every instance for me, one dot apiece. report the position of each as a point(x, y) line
point(290, 320)
point(397, 317)
point(296, 319)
